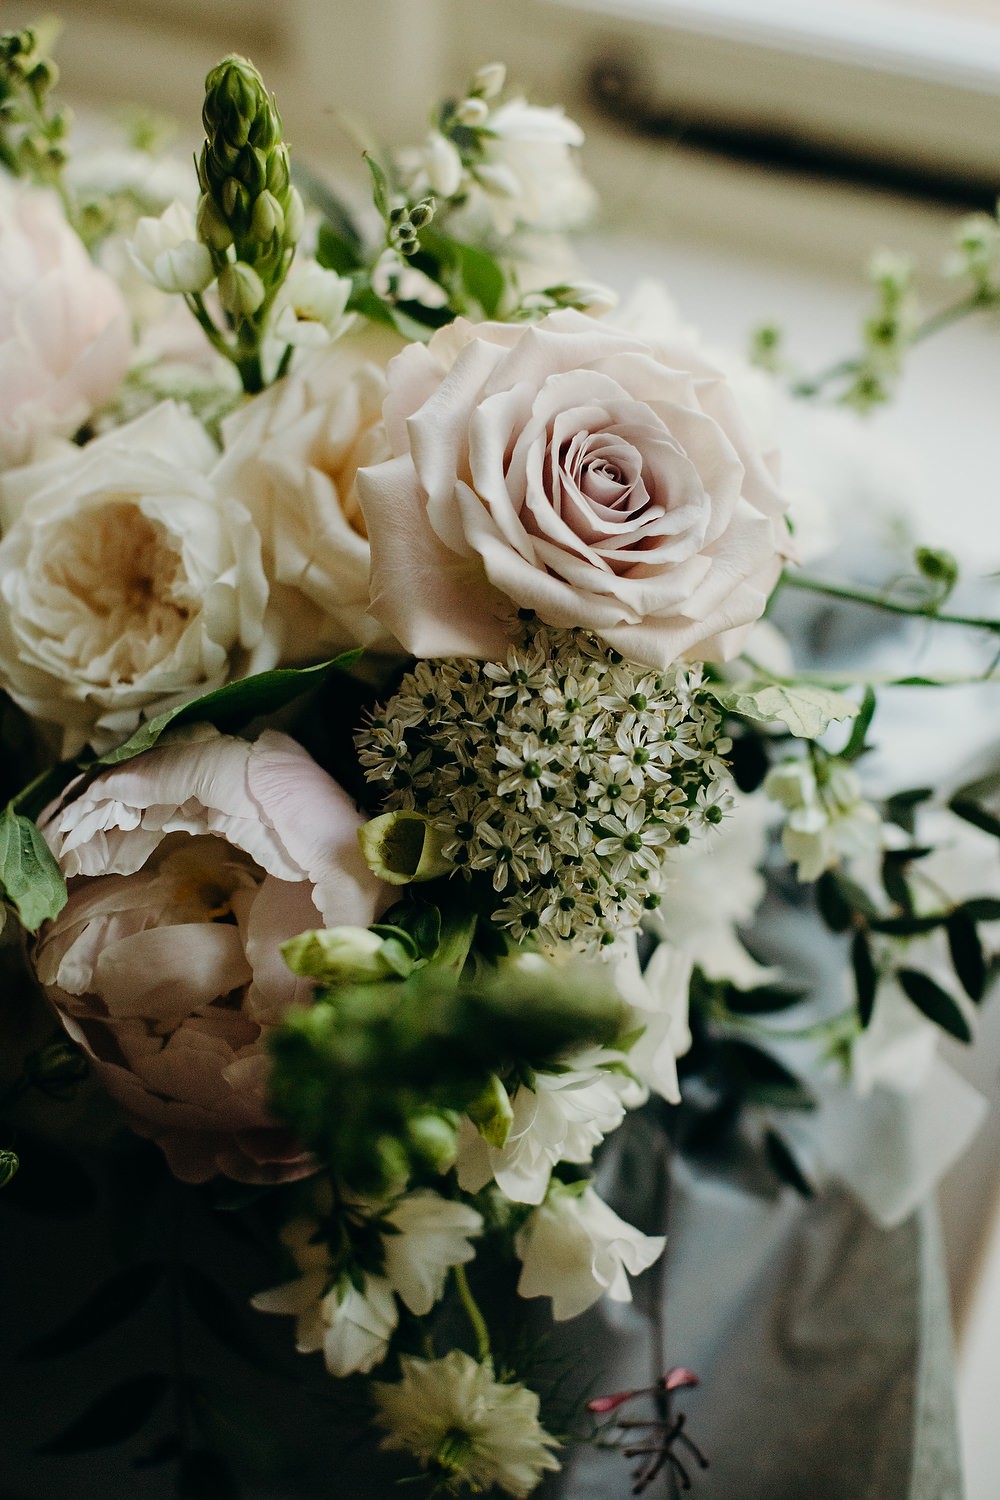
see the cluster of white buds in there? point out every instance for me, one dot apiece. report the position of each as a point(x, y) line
point(562, 775)
point(828, 819)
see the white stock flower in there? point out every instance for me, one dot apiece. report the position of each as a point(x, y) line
point(464, 1425)
point(311, 307)
point(64, 329)
point(442, 165)
point(168, 253)
point(562, 1118)
point(828, 819)
point(528, 173)
point(127, 584)
point(433, 1235)
point(659, 996)
point(575, 1249)
point(714, 886)
point(351, 1326)
point(291, 456)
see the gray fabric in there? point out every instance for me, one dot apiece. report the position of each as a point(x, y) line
point(821, 1340)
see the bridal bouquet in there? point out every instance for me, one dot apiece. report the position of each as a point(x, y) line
point(391, 731)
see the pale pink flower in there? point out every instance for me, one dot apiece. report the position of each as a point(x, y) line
point(187, 868)
point(65, 342)
point(600, 480)
point(291, 456)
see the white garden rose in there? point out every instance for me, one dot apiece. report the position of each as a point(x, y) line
point(64, 330)
point(291, 456)
point(576, 471)
point(127, 584)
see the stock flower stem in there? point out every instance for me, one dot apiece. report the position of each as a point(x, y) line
point(475, 1317)
point(935, 323)
point(876, 600)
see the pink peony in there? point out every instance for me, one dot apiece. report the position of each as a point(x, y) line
point(187, 867)
point(598, 479)
point(65, 342)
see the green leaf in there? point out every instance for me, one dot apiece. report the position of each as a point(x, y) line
point(113, 1417)
point(806, 709)
point(30, 877)
point(967, 954)
point(974, 813)
point(766, 999)
point(231, 707)
point(907, 926)
point(217, 1313)
point(981, 909)
point(482, 278)
point(784, 1165)
point(110, 1305)
point(335, 253)
point(765, 1080)
point(901, 808)
point(857, 743)
point(865, 978)
point(380, 186)
point(935, 1003)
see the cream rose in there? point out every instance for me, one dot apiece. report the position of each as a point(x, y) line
point(291, 456)
point(187, 868)
point(64, 330)
point(571, 469)
point(127, 584)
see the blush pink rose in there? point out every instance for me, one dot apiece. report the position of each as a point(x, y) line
point(598, 479)
point(65, 341)
point(187, 868)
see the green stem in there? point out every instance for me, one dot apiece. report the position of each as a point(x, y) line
point(475, 1317)
point(976, 301)
point(875, 600)
point(197, 306)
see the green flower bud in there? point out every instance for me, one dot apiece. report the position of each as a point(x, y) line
point(937, 566)
point(342, 955)
point(241, 290)
point(403, 846)
point(492, 1113)
point(268, 219)
point(431, 1137)
point(9, 1164)
point(213, 230)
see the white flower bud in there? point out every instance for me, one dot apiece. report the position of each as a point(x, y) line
point(268, 217)
point(342, 955)
point(443, 165)
point(212, 227)
point(498, 180)
point(241, 290)
point(791, 783)
point(167, 253)
point(472, 112)
point(488, 81)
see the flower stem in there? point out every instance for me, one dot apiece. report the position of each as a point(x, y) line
point(975, 302)
point(475, 1317)
point(875, 600)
